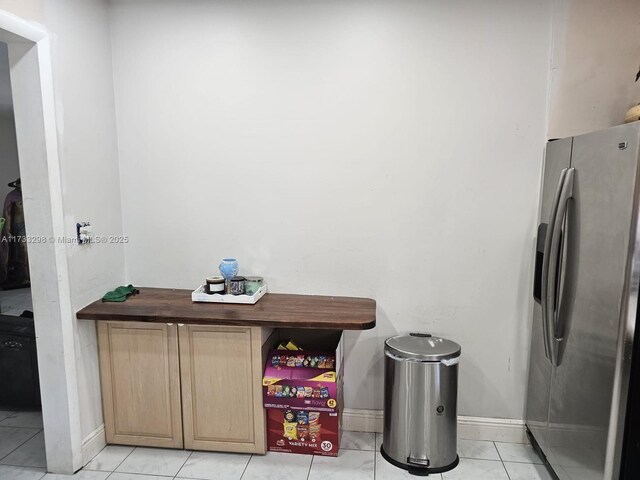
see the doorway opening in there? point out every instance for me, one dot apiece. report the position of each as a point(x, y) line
point(21, 428)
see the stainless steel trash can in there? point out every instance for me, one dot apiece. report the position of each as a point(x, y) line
point(420, 397)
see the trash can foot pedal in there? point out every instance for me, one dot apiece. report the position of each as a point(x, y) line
point(417, 470)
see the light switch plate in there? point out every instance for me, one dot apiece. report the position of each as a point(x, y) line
point(84, 232)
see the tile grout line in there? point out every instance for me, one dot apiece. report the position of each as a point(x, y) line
point(23, 443)
point(16, 414)
point(9, 414)
point(506, 471)
point(310, 465)
point(20, 466)
point(524, 463)
point(24, 428)
point(183, 464)
point(114, 470)
point(132, 473)
point(246, 466)
point(168, 477)
point(375, 460)
point(501, 460)
point(497, 450)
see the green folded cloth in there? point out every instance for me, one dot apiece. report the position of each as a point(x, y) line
point(120, 294)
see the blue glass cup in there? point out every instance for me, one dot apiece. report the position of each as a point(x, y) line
point(229, 268)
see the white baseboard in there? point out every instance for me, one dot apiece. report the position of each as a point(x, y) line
point(93, 444)
point(494, 429)
point(356, 420)
point(472, 428)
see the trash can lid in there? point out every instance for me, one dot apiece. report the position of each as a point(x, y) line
point(423, 346)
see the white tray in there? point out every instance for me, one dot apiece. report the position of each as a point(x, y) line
point(199, 295)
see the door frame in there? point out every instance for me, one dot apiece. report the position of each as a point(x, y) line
point(36, 133)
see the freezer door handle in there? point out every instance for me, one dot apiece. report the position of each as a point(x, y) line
point(537, 272)
point(546, 268)
point(555, 323)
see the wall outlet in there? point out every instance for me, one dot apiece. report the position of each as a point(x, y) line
point(84, 232)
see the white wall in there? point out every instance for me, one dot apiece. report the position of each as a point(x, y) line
point(9, 168)
point(596, 53)
point(81, 56)
point(83, 88)
point(381, 149)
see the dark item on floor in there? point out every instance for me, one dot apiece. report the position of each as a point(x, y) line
point(120, 294)
point(14, 260)
point(18, 363)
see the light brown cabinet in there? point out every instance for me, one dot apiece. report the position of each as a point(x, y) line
point(183, 386)
point(140, 378)
point(221, 372)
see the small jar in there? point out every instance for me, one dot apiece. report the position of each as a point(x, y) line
point(252, 285)
point(236, 285)
point(215, 285)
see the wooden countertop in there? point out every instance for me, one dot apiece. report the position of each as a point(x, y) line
point(273, 310)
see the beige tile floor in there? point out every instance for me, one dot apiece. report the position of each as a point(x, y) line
point(22, 458)
point(21, 445)
point(14, 302)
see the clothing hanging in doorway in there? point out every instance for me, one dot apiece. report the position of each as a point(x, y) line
point(14, 261)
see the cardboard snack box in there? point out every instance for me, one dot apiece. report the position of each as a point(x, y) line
point(300, 388)
point(308, 379)
point(304, 431)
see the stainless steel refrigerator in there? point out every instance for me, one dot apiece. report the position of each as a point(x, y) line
point(583, 375)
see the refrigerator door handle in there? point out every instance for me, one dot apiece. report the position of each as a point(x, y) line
point(547, 284)
point(555, 324)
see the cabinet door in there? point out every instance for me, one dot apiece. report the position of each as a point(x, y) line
point(221, 370)
point(140, 378)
